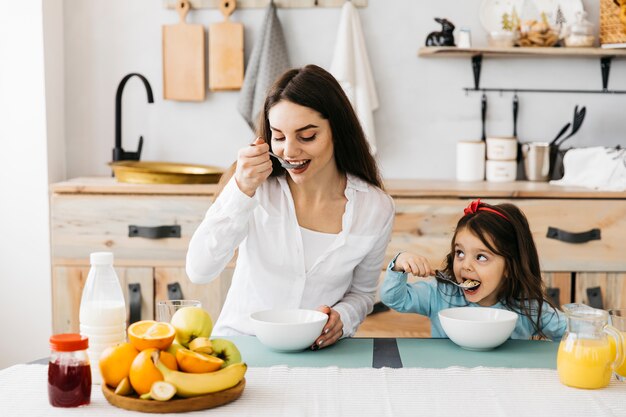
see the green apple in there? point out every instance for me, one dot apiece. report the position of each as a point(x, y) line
point(226, 351)
point(191, 322)
point(174, 347)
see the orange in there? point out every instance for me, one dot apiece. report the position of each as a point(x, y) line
point(143, 373)
point(146, 334)
point(197, 363)
point(115, 363)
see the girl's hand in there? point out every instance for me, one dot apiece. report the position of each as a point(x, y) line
point(253, 166)
point(414, 264)
point(332, 331)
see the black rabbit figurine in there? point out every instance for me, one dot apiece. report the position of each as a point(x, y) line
point(443, 38)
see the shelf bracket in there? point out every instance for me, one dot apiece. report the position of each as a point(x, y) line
point(605, 66)
point(477, 61)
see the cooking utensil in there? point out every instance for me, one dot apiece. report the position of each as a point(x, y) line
point(515, 111)
point(536, 160)
point(578, 121)
point(226, 51)
point(519, 176)
point(462, 285)
point(183, 58)
point(483, 115)
point(567, 125)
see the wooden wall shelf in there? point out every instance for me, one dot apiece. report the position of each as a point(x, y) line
point(606, 55)
point(452, 52)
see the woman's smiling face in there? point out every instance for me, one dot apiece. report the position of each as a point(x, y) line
point(300, 135)
point(473, 260)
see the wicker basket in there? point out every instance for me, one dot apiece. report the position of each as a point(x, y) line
point(612, 28)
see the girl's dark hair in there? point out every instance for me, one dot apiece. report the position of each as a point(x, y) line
point(522, 289)
point(315, 88)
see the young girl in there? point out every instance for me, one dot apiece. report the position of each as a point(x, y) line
point(492, 245)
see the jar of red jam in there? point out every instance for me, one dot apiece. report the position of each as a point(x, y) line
point(69, 374)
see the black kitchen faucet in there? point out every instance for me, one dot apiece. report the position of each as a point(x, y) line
point(119, 154)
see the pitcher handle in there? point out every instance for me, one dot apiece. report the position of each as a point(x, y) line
point(619, 345)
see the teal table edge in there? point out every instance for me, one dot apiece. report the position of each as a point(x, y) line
point(398, 353)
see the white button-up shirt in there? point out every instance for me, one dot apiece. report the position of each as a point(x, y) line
point(270, 271)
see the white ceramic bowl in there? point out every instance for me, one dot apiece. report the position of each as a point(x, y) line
point(478, 328)
point(288, 330)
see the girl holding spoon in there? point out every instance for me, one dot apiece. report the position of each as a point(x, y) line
point(493, 247)
point(310, 233)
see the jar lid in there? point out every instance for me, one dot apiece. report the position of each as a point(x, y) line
point(101, 258)
point(68, 342)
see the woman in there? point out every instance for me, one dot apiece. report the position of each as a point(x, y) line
point(313, 236)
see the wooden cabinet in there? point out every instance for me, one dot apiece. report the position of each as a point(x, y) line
point(90, 215)
point(427, 211)
point(98, 214)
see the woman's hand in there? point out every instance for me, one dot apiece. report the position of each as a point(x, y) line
point(332, 331)
point(414, 264)
point(253, 166)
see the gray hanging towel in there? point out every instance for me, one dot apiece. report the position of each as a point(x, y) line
point(269, 59)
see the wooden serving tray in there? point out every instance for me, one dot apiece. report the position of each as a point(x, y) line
point(175, 405)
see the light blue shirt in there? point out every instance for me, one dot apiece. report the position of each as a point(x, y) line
point(428, 297)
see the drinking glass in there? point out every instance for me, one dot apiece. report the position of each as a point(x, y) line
point(617, 318)
point(165, 309)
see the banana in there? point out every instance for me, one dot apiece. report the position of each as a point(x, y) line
point(191, 385)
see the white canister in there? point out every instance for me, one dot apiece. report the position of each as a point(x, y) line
point(501, 148)
point(470, 161)
point(501, 171)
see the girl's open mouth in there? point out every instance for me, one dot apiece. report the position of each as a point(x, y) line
point(472, 285)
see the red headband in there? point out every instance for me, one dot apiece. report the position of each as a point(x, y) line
point(474, 206)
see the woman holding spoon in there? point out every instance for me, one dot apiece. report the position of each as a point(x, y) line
point(493, 262)
point(310, 233)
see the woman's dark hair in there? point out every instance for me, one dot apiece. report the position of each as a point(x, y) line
point(522, 289)
point(315, 88)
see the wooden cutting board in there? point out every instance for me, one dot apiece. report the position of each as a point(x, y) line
point(183, 59)
point(226, 51)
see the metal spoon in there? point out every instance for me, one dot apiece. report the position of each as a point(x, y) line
point(462, 285)
point(284, 163)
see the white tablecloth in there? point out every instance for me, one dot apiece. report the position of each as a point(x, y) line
point(291, 392)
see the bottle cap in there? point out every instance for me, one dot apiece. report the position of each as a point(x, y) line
point(101, 258)
point(68, 342)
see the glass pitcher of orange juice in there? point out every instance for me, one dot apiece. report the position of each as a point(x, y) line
point(586, 357)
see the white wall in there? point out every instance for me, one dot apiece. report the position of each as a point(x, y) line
point(25, 319)
point(423, 109)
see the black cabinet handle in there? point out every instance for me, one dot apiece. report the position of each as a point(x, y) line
point(594, 295)
point(174, 292)
point(154, 232)
point(569, 237)
point(554, 295)
point(134, 300)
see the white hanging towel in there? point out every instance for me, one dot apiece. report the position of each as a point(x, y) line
point(599, 168)
point(268, 60)
point(351, 68)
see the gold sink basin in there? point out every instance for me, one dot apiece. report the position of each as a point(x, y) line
point(148, 172)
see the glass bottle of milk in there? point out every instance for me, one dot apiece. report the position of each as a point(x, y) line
point(102, 309)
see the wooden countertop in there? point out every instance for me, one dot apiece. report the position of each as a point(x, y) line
point(399, 188)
